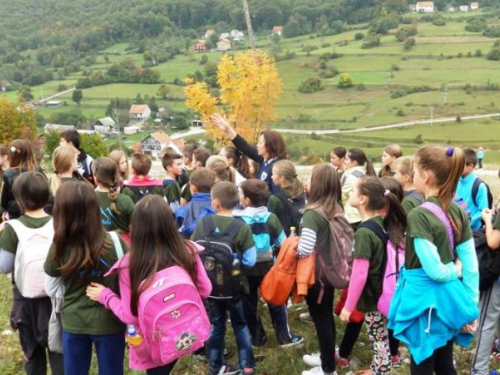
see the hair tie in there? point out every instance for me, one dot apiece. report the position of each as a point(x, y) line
point(449, 151)
point(295, 175)
point(386, 193)
point(13, 149)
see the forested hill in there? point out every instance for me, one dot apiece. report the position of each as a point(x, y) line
point(45, 39)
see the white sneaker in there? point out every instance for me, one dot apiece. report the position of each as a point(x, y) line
point(312, 360)
point(306, 317)
point(317, 371)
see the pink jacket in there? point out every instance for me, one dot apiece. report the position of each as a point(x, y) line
point(120, 305)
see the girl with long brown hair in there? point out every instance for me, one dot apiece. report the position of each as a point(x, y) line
point(121, 160)
point(156, 245)
point(22, 159)
point(389, 155)
point(325, 195)
point(65, 164)
point(440, 259)
point(82, 252)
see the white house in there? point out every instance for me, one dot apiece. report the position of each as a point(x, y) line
point(53, 103)
point(155, 142)
point(425, 6)
point(139, 113)
point(223, 45)
point(58, 127)
point(209, 33)
point(224, 36)
point(412, 7)
point(450, 9)
point(106, 121)
point(474, 6)
point(278, 30)
point(102, 129)
point(237, 36)
point(133, 129)
point(464, 8)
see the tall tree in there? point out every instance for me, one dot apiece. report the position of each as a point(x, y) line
point(16, 121)
point(77, 96)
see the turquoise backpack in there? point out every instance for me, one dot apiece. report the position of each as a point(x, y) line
point(262, 236)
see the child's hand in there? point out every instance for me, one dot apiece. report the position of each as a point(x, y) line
point(487, 215)
point(345, 315)
point(94, 290)
point(458, 264)
point(470, 328)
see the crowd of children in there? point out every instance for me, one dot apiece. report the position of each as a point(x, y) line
point(103, 253)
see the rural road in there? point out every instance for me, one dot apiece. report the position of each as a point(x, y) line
point(196, 131)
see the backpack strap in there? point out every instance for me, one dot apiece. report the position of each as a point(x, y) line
point(357, 174)
point(441, 215)
point(23, 232)
point(375, 228)
point(117, 243)
point(208, 226)
point(475, 189)
point(416, 195)
point(233, 228)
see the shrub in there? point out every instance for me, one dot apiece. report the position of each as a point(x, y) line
point(478, 53)
point(458, 118)
point(311, 85)
point(409, 43)
point(439, 20)
point(359, 36)
point(492, 32)
point(373, 40)
point(400, 113)
point(345, 81)
point(418, 139)
point(494, 54)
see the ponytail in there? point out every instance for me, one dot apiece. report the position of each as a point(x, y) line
point(286, 169)
point(113, 196)
point(446, 165)
point(370, 170)
point(105, 171)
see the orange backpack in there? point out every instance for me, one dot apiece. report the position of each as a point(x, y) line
point(280, 280)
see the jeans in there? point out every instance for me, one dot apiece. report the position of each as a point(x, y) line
point(441, 362)
point(215, 345)
point(322, 316)
point(162, 370)
point(279, 316)
point(110, 350)
point(37, 364)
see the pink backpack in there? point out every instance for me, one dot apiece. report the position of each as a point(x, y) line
point(172, 317)
point(394, 259)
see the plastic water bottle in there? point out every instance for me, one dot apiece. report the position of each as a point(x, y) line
point(235, 268)
point(293, 232)
point(133, 337)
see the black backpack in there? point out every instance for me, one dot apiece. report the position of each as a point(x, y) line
point(475, 189)
point(141, 191)
point(488, 261)
point(217, 258)
point(292, 213)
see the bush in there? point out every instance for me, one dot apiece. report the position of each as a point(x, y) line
point(494, 54)
point(439, 20)
point(478, 53)
point(419, 139)
point(311, 85)
point(404, 33)
point(345, 81)
point(373, 40)
point(359, 36)
point(475, 26)
point(360, 87)
point(492, 32)
point(409, 43)
point(400, 113)
point(458, 118)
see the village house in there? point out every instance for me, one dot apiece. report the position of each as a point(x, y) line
point(464, 8)
point(132, 129)
point(5, 85)
point(209, 33)
point(53, 104)
point(412, 7)
point(237, 36)
point(474, 6)
point(200, 46)
point(224, 36)
point(107, 121)
point(450, 9)
point(155, 142)
point(139, 113)
point(278, 30)
point(223, 45)
point(425, 6)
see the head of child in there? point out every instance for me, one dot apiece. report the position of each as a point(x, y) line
point(156, 245)
point(253, 168)
point(337, 157)
point(371, 198)
point(173, 164)
point(437, 171)
point(121, 160)
point(394, 186)
point(221, 168)
point(236, 159)
point(404, 173)
point(470, 161)
point(201, 180)
point(4, 157)
point(64, 160)
point(224, 197)
point(356, 157)
point(325, 191)
point(78, 229)
point(285, 175)
point(271, 145)
point(71, 137)
point(188, 152)
point(31, 191)
point(141, 164)
point(253, 193)
point(107, 178)
point(22, 155)
point(390, 154)
point(200, 157)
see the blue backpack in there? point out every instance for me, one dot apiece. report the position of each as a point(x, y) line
point(262, 236)
point(188, 216)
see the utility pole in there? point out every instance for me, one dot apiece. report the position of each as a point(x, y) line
point(117, 116)
point(445, 94)
point(249, 24)
point(432, 116)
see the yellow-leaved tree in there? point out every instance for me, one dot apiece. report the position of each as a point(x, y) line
point(16, 121)
point(249, 88)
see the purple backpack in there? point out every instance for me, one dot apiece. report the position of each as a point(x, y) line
point(172, 318)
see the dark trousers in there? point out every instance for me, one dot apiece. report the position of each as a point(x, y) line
point(322, 316)
point(162, 370)
point(37, 364)
point(110, 350)
point(351, 334)
point(480, 162)
point(279, 316)
point(441, 362)
point(215, 345)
